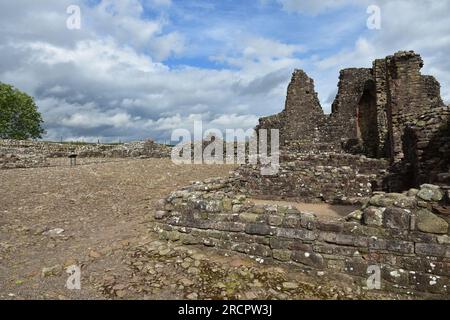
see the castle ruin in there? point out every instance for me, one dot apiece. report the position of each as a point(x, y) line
point(390, 111)
point(388, 131)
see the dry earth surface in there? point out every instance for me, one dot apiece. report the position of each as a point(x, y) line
point(98, 216)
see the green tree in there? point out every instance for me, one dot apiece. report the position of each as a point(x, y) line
point(19, 117)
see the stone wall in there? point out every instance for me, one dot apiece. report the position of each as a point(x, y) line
point(331, 177)
point(426, 145)
point(401, 233)
point(26, 153)
point(21, 160)
point(342, 123)
point(302, 114)
point(389, 111)
point(406, 96)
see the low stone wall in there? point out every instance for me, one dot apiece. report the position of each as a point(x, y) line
point(27, 154)
point(311, 177)
point(139, 149)
point(400, 233)
point(14, 161)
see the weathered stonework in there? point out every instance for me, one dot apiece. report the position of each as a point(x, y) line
point(389, 111)
point(388, 232)
point(26, 154)
point(427, 148)
point(388, 131)
point(21, 160)
point(299, 120)
point(315, 177)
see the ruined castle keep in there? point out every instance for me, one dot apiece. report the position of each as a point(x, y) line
point(390, 111)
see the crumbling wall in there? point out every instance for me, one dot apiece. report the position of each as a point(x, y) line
point(330, 177)
point(345, 121)
point(389, 111)
point(402, 234)
point(21, 160)
point(426, 145)
point(300, 119)
point(406, 96)
point(28, 154)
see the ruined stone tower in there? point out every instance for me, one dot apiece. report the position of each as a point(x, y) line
point(302, 114)
point(388, 111)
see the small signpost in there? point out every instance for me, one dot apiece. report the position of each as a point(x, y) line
point(73, 159)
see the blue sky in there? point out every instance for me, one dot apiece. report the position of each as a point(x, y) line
point(139, 69)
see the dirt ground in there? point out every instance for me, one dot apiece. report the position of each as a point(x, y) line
point(97, 216)
point(322, 210)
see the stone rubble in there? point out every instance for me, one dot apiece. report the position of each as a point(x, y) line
point(160, 269)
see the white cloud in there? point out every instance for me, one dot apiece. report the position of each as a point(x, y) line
point(233, 121)
point(99, 56)
point(111, 79)
point(93, 120)
point(246, 50)
point(422, 26)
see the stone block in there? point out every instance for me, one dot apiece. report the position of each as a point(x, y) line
point(188, 239)
point(397, 276)
point(291, 221)
point(258, 209)
point(173, 236)
point(373, 216)
point(229, 226)
point(377, 243)
point(249, 217)
point(252, 249)
point(275, 220)
point(425, 265)
point(336, 250)
point(328, 237)
point(308, 221)
point(281, 255)
point(331, 226)
point(400, 246)
point(310, 259)
point(344, 239)
point(429, 222)
point(430, 193)
point(259, 229)
point(443, 239)
point(276, 243)
point(354, 216)
point(396, 218)
point(417, 236)
point(227, 205)
point(296, 234)
point(430, 249)
point(356, 267)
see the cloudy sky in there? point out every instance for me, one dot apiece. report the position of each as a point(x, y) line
point(142, 68)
